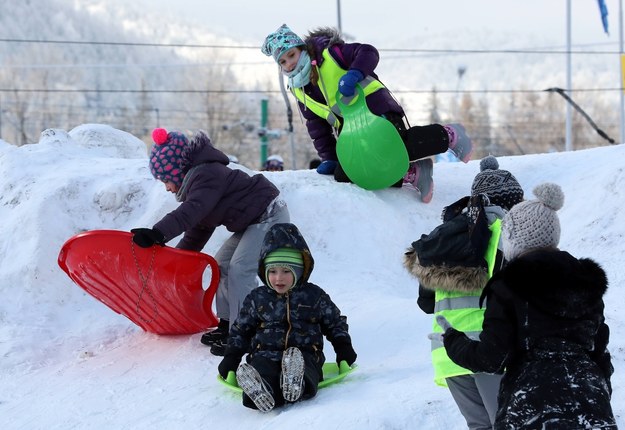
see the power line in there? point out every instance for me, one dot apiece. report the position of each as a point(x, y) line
point(147, 91)
point(255, 47)
point(144, 44)
point(129, 65)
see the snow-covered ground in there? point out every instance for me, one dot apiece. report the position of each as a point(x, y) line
point(69, 362)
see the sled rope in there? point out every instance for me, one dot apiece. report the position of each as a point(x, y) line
point(144, 283)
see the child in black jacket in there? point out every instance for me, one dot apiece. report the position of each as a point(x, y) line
point(282, 325)
point(544, 325)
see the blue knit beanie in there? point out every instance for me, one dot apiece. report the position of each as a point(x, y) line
point(280, 41)
point(166, 154)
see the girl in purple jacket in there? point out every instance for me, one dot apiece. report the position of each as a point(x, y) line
point(211, 195)
point(322, 63)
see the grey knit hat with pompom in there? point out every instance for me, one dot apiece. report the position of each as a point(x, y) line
point(499, 185)
point(533, 224)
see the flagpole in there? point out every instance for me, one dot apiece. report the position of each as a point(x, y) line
point(620, 20)
point(568, 144)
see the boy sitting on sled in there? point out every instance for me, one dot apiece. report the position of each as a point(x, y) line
point(282, 324)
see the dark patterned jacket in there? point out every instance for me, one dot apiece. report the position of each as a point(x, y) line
point(359, 56)
point(544, 325)
point(268, 322)
point(212, 195)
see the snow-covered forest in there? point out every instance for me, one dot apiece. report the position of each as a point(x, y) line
point(66, 63)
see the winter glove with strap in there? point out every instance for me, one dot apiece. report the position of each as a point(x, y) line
point(146, 237)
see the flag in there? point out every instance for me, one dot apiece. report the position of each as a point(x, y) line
point(603, 9)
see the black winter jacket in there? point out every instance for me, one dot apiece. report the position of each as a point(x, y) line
point(212, 195)
point(544, 325)
point(268, 322)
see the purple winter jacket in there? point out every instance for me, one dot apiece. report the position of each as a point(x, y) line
point(360, 56)
point(212, 195)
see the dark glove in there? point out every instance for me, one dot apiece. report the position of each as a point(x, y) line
point(344, 352)
point(146, 237)
point(327, 167)
point(230, 362)
point(347, 84)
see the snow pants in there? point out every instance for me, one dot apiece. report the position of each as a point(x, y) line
point(476, 397)
point(238, 261)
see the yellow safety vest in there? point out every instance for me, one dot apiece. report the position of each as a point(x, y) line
point(463, 311)
point(330, 74)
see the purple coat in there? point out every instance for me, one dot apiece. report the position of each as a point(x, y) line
point(212, 195)
point(358, 56)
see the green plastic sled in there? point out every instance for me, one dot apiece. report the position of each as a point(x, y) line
point(332, 373)
point(369, 148)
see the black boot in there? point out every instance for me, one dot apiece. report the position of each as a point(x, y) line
point(340, 175)
point(219, 334)
point(219, 347)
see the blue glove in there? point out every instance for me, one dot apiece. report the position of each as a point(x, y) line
point(327, 167)
point(347, 84)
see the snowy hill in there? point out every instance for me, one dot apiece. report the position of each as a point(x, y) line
point(68, 362)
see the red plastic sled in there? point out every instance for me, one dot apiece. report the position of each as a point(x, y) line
point(158, 288)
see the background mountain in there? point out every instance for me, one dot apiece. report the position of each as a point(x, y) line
point(134, 68)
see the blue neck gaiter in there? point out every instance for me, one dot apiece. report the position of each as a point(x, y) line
point(300, 76)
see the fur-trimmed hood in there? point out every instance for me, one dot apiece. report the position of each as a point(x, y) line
point(329, 36)
point(444, 267)
point(443, 278)
point(201, 150)
point(556, 282)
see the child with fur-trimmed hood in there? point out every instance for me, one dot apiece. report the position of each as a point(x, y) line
point(282, 325)
point(544, 324)
point(453, 264)
point(323, 63)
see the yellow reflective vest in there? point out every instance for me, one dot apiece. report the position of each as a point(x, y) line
point(330, 74)
point(463, 312)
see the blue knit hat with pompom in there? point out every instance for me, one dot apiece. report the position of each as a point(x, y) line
point(165, 155)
